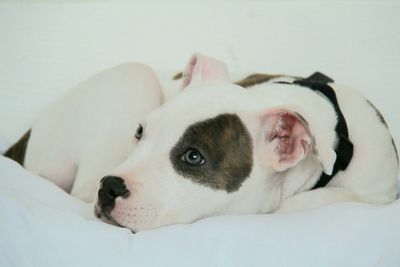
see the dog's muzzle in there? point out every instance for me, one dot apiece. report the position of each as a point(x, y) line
point(111, 187)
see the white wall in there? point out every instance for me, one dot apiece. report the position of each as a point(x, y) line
point(47, 47)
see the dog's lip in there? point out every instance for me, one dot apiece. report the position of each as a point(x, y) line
point(97, 211)
point(105, 216)
point(108, 219)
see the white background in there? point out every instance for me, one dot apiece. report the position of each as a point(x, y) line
point(47, 47)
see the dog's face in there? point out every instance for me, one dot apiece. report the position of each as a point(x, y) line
point(208, 151)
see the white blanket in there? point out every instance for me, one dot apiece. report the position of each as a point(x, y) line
point(40, 225)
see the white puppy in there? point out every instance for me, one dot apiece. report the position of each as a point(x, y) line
point(284, 144)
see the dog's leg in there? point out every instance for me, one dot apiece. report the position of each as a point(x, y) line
point(317, 198)
point(87, 182)
point(85, 189)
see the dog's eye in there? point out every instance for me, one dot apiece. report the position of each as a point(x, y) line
point(139, 132)
point(193, 157)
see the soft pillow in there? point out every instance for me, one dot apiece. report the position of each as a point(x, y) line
point(41, 225)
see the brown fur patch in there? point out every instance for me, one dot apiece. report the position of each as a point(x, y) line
point(227, 148)
point(380, 116)
point(249, 81)
point(257, 78)
point(395, 150)
point(178, 76)
point(17, 151)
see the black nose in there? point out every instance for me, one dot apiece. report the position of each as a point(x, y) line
point(111, 187)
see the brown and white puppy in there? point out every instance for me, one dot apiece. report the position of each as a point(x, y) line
point(283, 144)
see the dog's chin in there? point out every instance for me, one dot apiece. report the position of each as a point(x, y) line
point(107, 218)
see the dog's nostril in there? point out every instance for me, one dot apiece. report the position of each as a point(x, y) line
point(111, 187)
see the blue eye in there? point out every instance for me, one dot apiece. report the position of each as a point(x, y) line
point(139, 132)
point(193, 157)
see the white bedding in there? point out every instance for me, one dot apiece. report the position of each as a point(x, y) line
point(40, 225)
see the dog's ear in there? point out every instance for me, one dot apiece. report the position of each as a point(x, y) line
point(202, 69)
point(284, 139)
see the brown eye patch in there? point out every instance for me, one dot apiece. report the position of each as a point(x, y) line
point(226, 146)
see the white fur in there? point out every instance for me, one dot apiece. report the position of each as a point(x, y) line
point(175, 199)
point(95, 139)
point(91, 129)
point(371, 175)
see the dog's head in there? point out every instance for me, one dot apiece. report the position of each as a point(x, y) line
point(210, 150)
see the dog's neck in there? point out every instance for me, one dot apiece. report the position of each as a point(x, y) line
point(300, 178)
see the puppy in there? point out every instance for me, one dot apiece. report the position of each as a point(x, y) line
point(283, 144)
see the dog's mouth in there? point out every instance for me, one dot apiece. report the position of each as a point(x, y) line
point(105, 216)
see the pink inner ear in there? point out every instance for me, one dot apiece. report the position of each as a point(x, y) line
point(204, 69)
point(289, 138)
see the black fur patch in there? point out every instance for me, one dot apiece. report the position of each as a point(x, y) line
point(17, 151)
point(226, 146)
point(317, 78)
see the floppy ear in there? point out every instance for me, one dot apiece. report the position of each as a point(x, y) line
point(284, 139)
point(203, 69)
